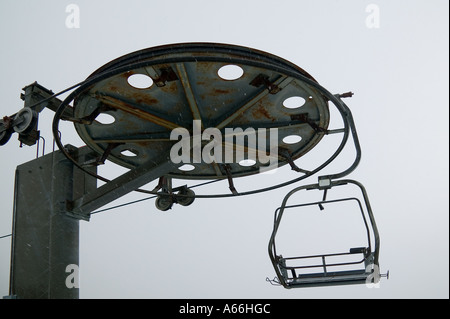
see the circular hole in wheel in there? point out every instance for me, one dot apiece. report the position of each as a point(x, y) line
point(105, 119)
point(230, 72)
point(129, 153)
point(247, 162)
point(292, 139)
point(140, 81)
point(294, 102)
point(186, 168)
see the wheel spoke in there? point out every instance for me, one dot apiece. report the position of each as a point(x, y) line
point(131, 108)
point(184, 79)
point(281, 82)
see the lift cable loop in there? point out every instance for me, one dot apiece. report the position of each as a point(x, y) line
point(348, 117)
point(109, 72)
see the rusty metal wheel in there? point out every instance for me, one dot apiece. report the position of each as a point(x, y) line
point(164, 203)
point(126, 110)
point(187, 198)
point(6, 129)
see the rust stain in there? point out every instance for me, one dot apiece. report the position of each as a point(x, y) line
point(170, 87)
point(144, 99)
point(206, 67)
point(127, 74)
point(220, 91)
point(217, 92)
point(260, 112)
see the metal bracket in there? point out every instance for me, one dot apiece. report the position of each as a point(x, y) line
point(120, 186)
point(324, 182)
point(263, 79)
point(106, 153)
point(167, 75)
point(285, 153)
point(227, 169)
point(25, 122)
point(304, 118)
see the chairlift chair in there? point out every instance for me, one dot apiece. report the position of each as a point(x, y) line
point(364, 270)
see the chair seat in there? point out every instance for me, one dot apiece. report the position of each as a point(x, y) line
point(330, 278)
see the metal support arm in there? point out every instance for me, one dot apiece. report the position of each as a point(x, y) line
point(124, 184)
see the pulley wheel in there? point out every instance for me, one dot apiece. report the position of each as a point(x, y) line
point(140, 98)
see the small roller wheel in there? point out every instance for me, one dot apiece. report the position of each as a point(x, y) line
point(5, 130)
point(164, 203)
point(5, 136)
point(27, 119)
point(187, 198)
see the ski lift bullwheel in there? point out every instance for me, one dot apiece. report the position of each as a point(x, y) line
point(127, 109)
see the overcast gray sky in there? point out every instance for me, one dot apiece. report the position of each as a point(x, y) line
point(398, 70)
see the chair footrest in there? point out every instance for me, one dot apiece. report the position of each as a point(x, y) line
point(330, 278)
